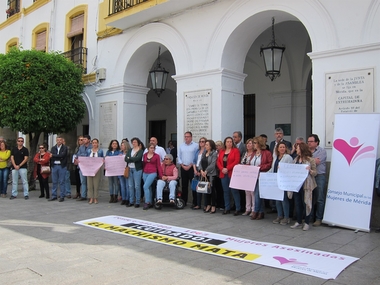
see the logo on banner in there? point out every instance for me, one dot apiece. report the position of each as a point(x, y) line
point(353, 151)
point(284, 260)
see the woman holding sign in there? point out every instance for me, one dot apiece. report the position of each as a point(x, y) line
point(227, 159)
point(249, 195)
point(282, 155)
point(93, 181)
point(262, 158)
point(303, 199)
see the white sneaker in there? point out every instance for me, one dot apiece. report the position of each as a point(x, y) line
point(305, 227)
point(296, 226)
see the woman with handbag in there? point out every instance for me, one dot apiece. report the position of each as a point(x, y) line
point(209, 170)
point(262, 158)
point(134, 160)
point(42, 170)
point(227, 159)
point(113, 181)
point(94, 181)
point(197, 197)
point(5, 154)
point(124, 187)
point(303, 198)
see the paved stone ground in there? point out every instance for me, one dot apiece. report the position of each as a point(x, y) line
point(41, 245)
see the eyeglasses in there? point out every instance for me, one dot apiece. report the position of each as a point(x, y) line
point(202, 141)
point(166, 158)
point(20, 141)
point(41, 147)
point(80, 140)
point(310, 141)
point(187, 136)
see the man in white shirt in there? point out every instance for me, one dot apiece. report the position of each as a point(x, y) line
point(158, 149)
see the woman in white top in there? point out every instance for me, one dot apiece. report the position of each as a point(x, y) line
point(249, 195)
point(281, 155)
point(93, 181)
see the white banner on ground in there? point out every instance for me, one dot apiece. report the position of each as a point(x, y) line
point(350, 188)
point(290, 177)
point(312, 262)
point(244, 177)
point(269, 188)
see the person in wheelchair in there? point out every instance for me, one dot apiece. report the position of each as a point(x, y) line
point(169, 176)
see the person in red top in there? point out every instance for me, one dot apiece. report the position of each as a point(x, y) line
point(169, 175)
point(262, 158)
point(42, 158)
point(227, 159)
point(151, 166)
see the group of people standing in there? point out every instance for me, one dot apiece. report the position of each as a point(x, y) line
point(204, 159)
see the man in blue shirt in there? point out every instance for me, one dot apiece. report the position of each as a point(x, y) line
point(186, 154)
point(82, 151)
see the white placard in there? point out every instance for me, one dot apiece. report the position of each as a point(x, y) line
point(269, 188)
point(348, 92)
point(198, 113)
point(290, 177)
point(244, 177)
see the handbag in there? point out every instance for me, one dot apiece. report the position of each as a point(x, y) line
point(194, 183)
point(45, 169)
point(204, 187)
point(126, 172)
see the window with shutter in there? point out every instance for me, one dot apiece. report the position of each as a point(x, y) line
point(41, 41)
point(77, 25)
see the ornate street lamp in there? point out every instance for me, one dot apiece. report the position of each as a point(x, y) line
point(158, 76)
point(272, 55)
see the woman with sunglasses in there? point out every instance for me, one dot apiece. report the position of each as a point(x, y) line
point(151, 166)
point(197, 197)
point(42, 158)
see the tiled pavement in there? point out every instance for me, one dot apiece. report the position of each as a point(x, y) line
point(41, 245)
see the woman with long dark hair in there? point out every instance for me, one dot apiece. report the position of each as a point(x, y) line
point(113, 181)
point(133, 158)
point(42, 158)
point(209, 169)
point(303, 198)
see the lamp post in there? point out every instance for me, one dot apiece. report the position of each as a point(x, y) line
point(158, 76)
point(272, 55)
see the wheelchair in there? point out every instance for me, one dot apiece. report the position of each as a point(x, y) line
point(178, 201)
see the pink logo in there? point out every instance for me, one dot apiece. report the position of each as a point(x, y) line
point(353, 151)
point(284, 260)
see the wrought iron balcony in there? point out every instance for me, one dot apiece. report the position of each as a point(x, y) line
point(13, 7)
point(78, 56)
point(116, 6)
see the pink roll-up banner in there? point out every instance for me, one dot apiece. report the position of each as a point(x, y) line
point(353, 158)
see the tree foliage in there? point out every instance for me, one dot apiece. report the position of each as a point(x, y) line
point(40, 92)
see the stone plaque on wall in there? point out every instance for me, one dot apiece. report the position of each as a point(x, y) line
point(198, 113)
point(107, 123)
point(347, 92)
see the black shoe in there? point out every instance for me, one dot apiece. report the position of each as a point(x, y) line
point(225, 212)
point(272, 211)
point(237, 213)
point(61, 199)
point(129, 205)
point(41, 196)
point(12, 197)
point(52, 199)
point(137, 205)
point(82, 199)
point(68, 196)
point(26, 197)
point(123, 202)
point(47, 197)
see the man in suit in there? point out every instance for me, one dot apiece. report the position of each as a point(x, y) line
point(59, 168)
point(238, 136)
point(279, 137)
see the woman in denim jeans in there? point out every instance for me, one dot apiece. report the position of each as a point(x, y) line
point(5, 154)
point(113, 181)
point(134, 161)
point(124, 184)
point(151, 168)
